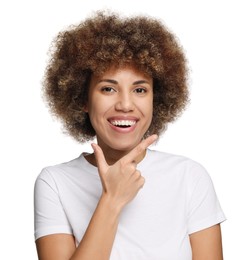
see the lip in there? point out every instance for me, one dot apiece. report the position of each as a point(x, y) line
point(123, 118)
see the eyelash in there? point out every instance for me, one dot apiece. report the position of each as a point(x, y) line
point(107, 89)
point(139, 90)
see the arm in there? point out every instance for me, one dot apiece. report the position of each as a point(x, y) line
point(206, 244)
point(121, 182)
point(96, 243)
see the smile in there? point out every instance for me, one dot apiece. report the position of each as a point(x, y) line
point(123, 123)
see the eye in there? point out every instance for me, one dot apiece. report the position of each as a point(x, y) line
point(108, 89)
point(140, 90)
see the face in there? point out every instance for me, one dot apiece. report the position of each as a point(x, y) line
point(120, 107)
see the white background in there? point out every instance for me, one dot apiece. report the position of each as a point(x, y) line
point(212, 131)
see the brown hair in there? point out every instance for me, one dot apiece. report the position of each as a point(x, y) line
point(101, 41)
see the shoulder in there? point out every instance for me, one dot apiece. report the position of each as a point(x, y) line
point(178, 165)
point(172, 160)
point(65, 169)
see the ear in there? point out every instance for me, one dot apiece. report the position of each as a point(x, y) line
point(85, 108)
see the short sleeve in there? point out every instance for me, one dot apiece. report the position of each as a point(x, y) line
point(49, 216)
point(204, 207)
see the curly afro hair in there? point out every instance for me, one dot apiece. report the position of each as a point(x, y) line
point(104, 40)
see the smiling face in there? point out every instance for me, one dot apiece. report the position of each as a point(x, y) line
point(120, 107)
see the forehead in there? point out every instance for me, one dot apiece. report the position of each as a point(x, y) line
point(125, 72)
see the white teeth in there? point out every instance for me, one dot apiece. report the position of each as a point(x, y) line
point(123, 122)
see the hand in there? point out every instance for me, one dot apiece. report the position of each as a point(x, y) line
point(122, 181)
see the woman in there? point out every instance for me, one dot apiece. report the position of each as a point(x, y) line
point(122, 81)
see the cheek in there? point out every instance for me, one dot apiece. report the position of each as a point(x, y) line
point(98, 109)
point(148, 107)
point(93, 112)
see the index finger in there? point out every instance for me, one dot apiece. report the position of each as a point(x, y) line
point(140, 148)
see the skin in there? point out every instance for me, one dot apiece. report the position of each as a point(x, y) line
point(122, 94)
point(207, 244)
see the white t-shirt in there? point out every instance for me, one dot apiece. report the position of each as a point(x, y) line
point(178, 199)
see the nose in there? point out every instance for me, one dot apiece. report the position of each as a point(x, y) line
point(124, 103)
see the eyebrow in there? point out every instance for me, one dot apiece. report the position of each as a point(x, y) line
point(108, 80)
point(116, 82)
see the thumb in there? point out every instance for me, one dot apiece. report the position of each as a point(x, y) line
point(100, 159)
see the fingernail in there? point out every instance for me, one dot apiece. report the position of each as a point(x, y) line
point(155, 136)
point(93, 146)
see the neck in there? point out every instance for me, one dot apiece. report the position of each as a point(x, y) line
point(112, 156)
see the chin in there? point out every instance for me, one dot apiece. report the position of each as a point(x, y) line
point(123, 145)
